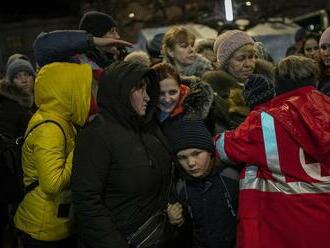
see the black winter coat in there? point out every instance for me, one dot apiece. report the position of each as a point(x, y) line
point(122, 167)
point(15, 110)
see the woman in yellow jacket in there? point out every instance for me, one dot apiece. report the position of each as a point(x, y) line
point(63, 96)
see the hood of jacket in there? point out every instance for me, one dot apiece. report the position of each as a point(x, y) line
point(304, 113)
point(115, 88)
point(65, 89)
point(197, 69)
point(198, 102)
point(11, 91)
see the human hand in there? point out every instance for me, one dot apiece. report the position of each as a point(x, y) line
point(110, 42)
point(174, 212)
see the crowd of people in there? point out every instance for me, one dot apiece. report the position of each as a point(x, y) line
point(201, 144)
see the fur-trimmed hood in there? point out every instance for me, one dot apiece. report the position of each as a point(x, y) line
point(197, 69)
point(11, 91)
point(265, 68)
point(199, 100)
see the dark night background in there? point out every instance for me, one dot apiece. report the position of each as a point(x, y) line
point(21, 22)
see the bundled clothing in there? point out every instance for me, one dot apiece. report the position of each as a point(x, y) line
point(195, 101)
point(15, 109)
point(63, 95)
point(69, 46)
point(285, 185)
point(324, 85)
point(209, 200)
point(213, 220)
point(197, 69)
point(122, 166)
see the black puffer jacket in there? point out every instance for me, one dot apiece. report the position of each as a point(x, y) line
point(122, 167)
point(15, 109)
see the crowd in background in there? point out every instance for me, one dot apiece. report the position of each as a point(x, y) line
point(194, 143)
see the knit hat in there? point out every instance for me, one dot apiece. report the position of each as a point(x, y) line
point(16, 56)
point(19, 65)
point(258, 89)
point(227, 43)
point(325, 37)
point(154, 46)
point(300, 34)
point(96, 23)
point(189, 133)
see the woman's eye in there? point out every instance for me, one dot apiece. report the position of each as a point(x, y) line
point(172, 92)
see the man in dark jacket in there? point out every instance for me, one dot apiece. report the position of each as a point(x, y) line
point(97, 43)
point(122, 167)
point(207, 191)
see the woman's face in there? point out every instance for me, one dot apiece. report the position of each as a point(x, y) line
point(24, 81)
point(311, 49)
point(169, 94)
point(242, 63)
point(183, 53)
point(139, 99)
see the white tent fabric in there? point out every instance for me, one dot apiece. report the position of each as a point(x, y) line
point(200, 31)
point(276, 37)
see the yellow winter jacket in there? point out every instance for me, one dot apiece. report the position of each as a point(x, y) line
point(63, 94)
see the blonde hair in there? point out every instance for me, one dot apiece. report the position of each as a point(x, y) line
point(139, 57)
point(174, 36)
point(297, 69)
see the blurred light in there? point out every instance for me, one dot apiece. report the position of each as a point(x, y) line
point(248, 3)
point(311, 27)
point(229, 10)
point(131, 15)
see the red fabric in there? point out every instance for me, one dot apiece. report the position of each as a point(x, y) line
point(275, 218)
point(305, 114)
point(184, 91)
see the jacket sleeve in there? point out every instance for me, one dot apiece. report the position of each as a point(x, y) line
point(89, 178)
point(59, 46)
point(53, 167)
point(243, 145)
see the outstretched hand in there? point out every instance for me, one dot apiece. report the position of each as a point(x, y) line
point(110, 42)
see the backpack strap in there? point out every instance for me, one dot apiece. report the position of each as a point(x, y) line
point(34, 184)
point(228, 198)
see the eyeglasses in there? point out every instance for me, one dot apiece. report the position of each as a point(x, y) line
point(325, 46)
point(309, 49)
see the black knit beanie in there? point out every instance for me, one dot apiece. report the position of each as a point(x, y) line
point(154, 46)
point(258, 89)
point(96, 23)
point(187, 133)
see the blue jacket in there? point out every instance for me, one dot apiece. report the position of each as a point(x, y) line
point(62, 45)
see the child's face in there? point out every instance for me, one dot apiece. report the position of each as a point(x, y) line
point(196, 162)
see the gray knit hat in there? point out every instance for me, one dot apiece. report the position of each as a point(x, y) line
point(16, 56)
point(227, 43)
point(19, 65)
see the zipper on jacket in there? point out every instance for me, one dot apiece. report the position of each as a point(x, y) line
point(151, 164)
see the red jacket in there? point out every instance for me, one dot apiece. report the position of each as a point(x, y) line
point(285, 189)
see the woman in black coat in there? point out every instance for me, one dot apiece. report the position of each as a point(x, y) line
point(122, 167)
point(16, 101)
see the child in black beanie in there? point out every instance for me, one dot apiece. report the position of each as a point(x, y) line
point(207, 191)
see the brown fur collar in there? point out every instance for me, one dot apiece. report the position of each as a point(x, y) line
point(12, 92)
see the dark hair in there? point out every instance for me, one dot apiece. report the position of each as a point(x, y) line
point(165, 70)
point(310, 36)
